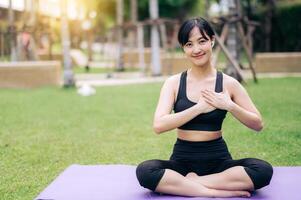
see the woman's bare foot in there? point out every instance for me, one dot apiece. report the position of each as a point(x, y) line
point(219, 193)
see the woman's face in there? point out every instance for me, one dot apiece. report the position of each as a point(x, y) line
point(198, 49)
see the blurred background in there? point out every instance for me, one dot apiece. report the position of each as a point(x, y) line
point(105, 37)
point(54, 53)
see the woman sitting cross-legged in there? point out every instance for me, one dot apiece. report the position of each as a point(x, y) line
point(201, 164)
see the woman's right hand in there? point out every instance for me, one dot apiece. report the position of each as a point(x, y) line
point(203, 106)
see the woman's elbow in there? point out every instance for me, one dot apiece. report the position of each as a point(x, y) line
point(258, 125)
point(157, 128)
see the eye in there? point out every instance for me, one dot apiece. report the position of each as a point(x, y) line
point(202, 42)
point(188, 44)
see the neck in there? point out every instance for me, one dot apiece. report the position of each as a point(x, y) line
point(200, 72)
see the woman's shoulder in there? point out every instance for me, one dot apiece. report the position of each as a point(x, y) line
point(173, 79)
point(231, 84)
point(229, 80)
point(172, 83)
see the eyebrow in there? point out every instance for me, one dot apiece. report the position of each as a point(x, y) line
point(197, 39)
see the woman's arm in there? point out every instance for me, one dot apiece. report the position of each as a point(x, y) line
point(164, 120)
point(243, 109)
point(238, 103)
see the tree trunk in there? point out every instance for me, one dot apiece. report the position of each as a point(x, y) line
point(134, 19)
point(207, 7)
point(134, 11)
point(271, 4)
point(155, 41)
point(29, 52)
point(132, 32)
point(232, 41)
point(65, 38)
point(12, 33)
point(140, 41)
point(119, 9)
point(32, 6)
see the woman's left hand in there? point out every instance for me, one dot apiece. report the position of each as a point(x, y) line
point(219, 100)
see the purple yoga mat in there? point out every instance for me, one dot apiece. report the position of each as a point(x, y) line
point(118, 182)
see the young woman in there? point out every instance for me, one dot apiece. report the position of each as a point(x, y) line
point(201, 164)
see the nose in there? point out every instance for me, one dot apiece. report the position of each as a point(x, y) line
point(196, 49)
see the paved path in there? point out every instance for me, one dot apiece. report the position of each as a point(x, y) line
point(125, 78)
point(120, 78)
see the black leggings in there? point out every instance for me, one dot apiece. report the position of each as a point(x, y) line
point(203, 158)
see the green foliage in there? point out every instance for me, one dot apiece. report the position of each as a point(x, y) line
point(106, 11)
point(106, 14)
point(175, 9)
point(285, 34)
point(45, 130)
point(286, 29)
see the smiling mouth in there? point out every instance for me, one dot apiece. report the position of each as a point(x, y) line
point(198, 56)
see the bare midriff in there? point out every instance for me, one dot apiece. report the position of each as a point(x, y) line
point(198, 136)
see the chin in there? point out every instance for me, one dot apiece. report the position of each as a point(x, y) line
point(200, 63)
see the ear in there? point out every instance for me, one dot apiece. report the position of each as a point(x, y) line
point(212, 41)
point(182, 47)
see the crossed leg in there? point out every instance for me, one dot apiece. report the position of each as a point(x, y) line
point(174, 183)
point(234, 178)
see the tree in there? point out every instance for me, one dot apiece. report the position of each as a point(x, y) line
point(68, 74)
point(232, 43)
point(169, 8)
point(119, 14)
point(155, 41)
point(12, 32)
point(270, 6)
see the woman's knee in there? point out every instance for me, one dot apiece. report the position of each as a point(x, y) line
point(149, 173)
point(260, 171)
point(267, 172)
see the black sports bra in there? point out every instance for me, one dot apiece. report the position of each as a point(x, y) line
point(211, 121)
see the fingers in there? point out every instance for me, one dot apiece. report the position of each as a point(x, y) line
point(208, 97)
point(208, 94)
point(215, 99)
point(210, 102)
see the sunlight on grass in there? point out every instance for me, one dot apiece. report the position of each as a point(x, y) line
point(45, 130)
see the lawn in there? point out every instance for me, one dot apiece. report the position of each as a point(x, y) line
point(45, 130)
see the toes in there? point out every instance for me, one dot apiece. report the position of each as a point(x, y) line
point(246, 194)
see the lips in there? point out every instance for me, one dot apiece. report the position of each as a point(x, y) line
point(199, 56)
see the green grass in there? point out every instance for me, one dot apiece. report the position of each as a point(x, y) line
point(45, 130)
point(222, 58)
